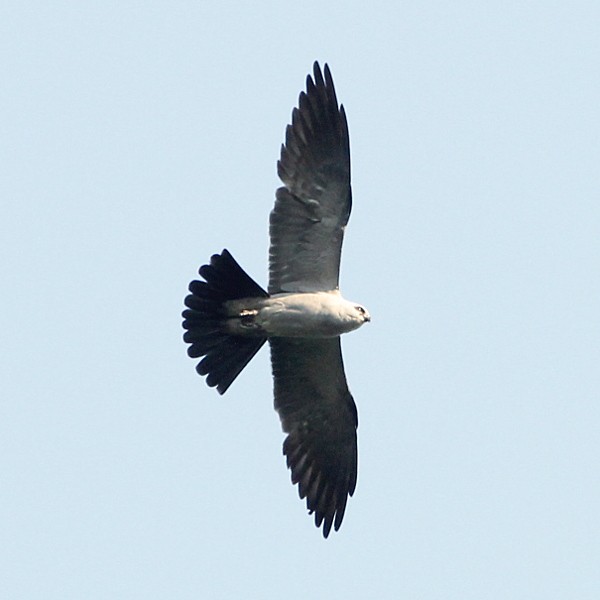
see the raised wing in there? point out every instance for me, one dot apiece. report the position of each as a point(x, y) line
point(311, 211)
point(319, 415)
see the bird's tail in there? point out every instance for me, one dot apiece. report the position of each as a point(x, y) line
point(225, 355)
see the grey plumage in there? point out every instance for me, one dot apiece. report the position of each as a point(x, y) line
point(229, 316)
point(311, 211)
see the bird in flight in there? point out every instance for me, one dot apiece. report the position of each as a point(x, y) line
point(302, 315)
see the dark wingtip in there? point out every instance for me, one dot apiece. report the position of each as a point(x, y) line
point(318, 74)
point(328, 77)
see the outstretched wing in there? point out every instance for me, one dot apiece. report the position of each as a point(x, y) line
point(311, 211)
point(319, 415)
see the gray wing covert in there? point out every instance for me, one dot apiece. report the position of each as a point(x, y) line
point(318, 413)
point(311, 211)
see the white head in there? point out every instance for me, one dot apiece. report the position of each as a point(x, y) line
point(354, 315)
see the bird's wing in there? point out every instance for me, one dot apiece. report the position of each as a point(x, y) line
point(311, 211)
point(318, 413)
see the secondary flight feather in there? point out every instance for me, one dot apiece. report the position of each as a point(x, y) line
point(302, 315)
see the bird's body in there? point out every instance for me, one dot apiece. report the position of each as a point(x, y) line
point(229, 316)
point(305, 314)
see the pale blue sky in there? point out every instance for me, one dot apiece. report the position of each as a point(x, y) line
point(138, 139)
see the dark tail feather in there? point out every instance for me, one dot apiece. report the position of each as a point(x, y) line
point(225, 355)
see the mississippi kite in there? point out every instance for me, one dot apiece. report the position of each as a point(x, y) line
point(229, 316)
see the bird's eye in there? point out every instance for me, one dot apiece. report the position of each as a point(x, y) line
point(360, 309)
